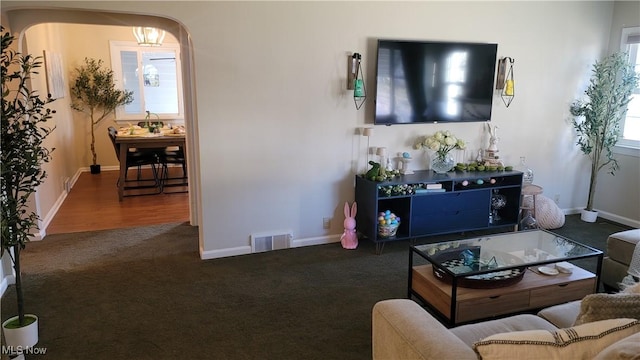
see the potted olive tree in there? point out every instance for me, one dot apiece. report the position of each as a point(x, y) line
point(24, 113)
point(94, 93)
point(597, 120)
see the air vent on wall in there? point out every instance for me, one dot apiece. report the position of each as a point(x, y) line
point(268, 242)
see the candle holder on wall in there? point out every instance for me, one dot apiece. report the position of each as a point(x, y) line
point(355, 81)
point(505, 81)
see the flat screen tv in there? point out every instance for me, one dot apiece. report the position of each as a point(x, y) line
point(433, 82)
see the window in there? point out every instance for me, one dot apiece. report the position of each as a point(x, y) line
point(631, 124)
point(153, 74)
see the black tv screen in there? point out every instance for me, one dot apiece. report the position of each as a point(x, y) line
point(430, 82)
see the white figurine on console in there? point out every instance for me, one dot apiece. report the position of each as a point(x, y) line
point(491, 157)
point(404, 164)
point(493, 141)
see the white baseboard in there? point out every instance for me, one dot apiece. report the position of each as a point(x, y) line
point(54, 209)
point(608, 216)
point(244, 250)
point(49, 217)
point(319, 240)
point(117, 167)
point(5, 282)
point(216, 254)
point(619, 219)
point(102, 168)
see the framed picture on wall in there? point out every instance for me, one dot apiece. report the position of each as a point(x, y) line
point(55, 74)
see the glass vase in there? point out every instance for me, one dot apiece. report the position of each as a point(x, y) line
point(527, 173)
point(528, 222)
point(498, 202)
point(442, 164)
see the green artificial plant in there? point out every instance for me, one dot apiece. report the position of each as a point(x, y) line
point(94, 93)
point(23, 153)
point(597, 120)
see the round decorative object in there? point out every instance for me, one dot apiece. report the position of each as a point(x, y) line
point(442, 164)
point(547, 270)
point(498, 202)
point(453, 261)
point(548, 214)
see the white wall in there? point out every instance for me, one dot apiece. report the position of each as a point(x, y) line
point(278, 131)
point(62, 164)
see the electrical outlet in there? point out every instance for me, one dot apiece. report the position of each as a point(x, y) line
point(556, 198)
point(326, 223)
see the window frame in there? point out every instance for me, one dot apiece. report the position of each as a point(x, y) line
point(116, 47)
point(628, 146)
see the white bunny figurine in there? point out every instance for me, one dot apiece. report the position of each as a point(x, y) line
point(349, 238)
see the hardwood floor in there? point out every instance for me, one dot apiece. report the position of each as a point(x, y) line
point(93, 204)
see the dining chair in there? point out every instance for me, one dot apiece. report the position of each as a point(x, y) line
point(138, 158)
point(174, 156)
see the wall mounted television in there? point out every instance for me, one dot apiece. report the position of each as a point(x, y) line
point(433, 82)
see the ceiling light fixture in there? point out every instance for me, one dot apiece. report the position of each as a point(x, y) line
point(148, 36)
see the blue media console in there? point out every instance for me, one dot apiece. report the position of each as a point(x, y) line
point(464, 205)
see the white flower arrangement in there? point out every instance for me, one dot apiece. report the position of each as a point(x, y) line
point(442, 142)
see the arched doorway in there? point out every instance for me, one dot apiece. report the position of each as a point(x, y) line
point(21, 20)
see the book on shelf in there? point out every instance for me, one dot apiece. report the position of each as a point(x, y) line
point(434, 186)
point(423, 191)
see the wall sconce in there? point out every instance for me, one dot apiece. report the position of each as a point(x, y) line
point(505, 80)
point(148, 36)
point(355, 80)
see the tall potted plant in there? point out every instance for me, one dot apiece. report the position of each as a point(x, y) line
point(94, 93)
point(597, 120)
point(24, 113)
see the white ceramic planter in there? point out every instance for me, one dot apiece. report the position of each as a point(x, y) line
point(23, 337)
point(588, 216)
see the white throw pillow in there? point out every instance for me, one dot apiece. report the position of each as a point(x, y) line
point(578, 342)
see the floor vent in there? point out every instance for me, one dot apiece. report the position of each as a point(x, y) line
point(268, 242)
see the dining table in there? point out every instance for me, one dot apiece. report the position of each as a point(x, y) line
point(127, 140)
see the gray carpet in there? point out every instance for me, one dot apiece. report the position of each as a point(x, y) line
point(143, 293)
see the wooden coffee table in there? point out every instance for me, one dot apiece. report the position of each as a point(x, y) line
point(502, 278)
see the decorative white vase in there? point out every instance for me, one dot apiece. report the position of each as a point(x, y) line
point(588, 216)
point(23, 337)
point(442, 165)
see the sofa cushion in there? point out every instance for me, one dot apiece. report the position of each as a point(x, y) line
point(472, 333)
point(613, 272)
point(578, 342)
point(625, 349)
point(620, 245)
point(563, 315)
point(596, 307)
